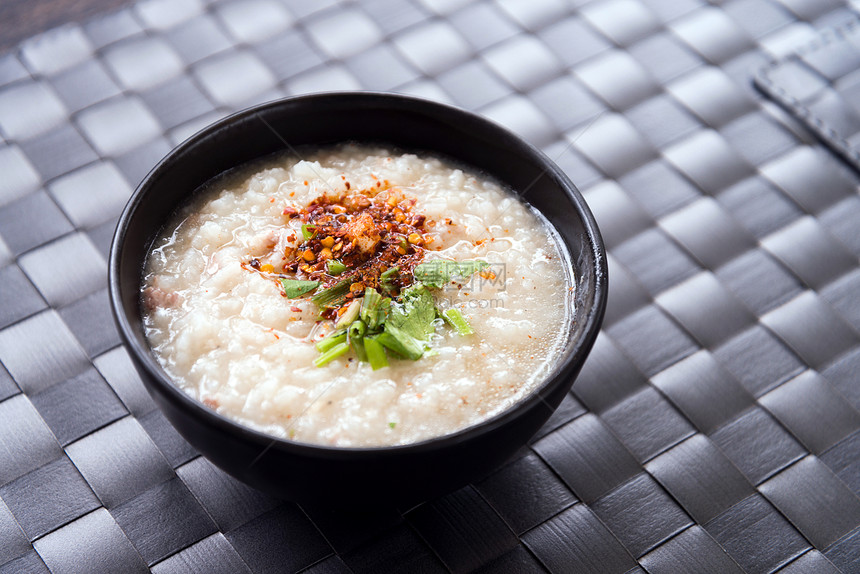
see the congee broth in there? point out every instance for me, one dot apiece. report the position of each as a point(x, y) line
point(357, 296)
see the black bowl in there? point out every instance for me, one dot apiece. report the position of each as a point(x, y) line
point(356, 476)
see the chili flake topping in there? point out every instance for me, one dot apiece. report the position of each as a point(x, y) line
point(360, 261)
point(358, 236)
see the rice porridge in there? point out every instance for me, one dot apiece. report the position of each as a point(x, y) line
point(357, 297)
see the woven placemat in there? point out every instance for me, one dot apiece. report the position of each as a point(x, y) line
point(715, 427)
point(820, 86)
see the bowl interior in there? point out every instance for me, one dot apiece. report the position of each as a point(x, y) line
point(408, 123)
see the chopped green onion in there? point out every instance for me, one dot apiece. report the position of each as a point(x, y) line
point(294, 288)
point(355, 336)
point(332, 354)
point(356, 329)
point(350, 315)
point(392, 425)
point(308, 231)
point(334, 295)
point(386, 279)
point(401, 342)
point(334, 267)
point(373, 308)
point(454, 318)
point(334, 338)
point(357, 345)
point(375, 353)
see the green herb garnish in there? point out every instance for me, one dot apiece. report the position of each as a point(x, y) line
point(439, 272)
point(386, 280)
point(334, 267)
point(415, 314)
point(374, 325)
point(332, 354)
point(350, 315)
point(392, 425)
point(375, 353)
point(374, 308)
point(294, 288)
point(358, 346)
point(334, 338)
point(308, 231)
point(454, 318)
point(355, 336)
point(401, 342)
point(357, 329)
point(334, 296)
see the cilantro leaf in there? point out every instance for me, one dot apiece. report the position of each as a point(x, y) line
point(401, 342)
point(415, 313)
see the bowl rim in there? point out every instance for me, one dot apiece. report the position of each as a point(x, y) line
point(578, 347)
